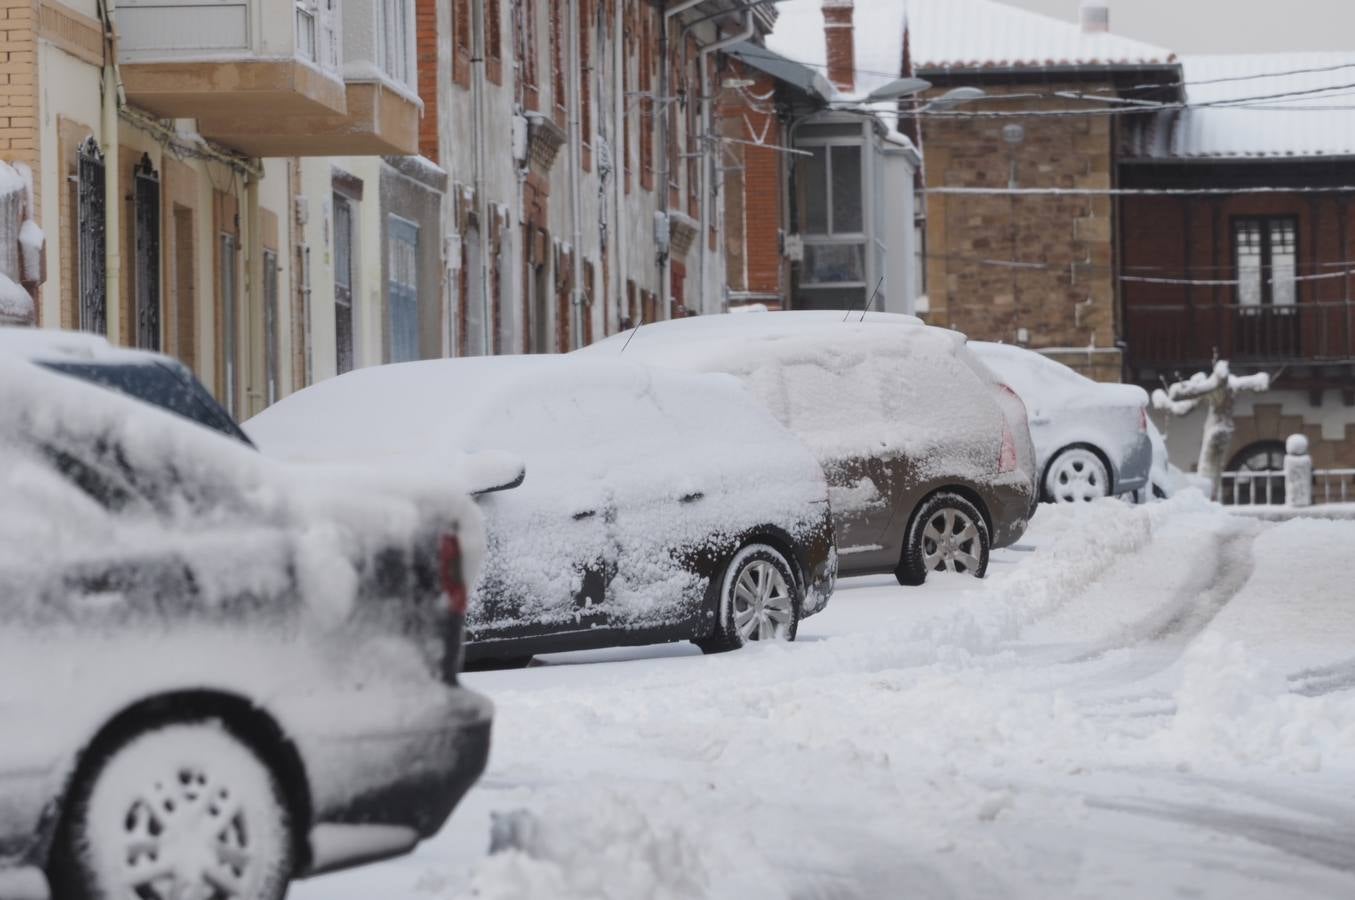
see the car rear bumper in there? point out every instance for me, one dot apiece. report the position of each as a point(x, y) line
point(1013, 503)
point(414, 773)
point(1136, 465)
point(819, 559)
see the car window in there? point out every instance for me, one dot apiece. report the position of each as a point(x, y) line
point(158, 384)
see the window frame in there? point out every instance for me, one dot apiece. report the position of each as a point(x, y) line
point(832, 237)
point(1265, 224)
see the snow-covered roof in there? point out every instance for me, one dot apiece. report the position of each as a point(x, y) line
point(1316, 119)
point(878, 27)
point(982, 34)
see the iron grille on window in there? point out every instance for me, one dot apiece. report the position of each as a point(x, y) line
point(343, 283)
point(90, 224)
point(146, 203)
point(270, 324)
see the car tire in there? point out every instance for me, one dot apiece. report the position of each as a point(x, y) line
point(760, 599)
point(180, 806)
point(926, 549)
point(1076, 475)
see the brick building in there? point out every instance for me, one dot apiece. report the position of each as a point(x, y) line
point(1133, 245)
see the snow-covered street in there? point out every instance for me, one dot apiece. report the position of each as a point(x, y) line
point(1138, 702)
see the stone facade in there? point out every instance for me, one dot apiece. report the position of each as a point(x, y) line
point(1034, 269)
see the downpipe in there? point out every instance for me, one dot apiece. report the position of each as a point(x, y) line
point(710, 184)
point(661, 102)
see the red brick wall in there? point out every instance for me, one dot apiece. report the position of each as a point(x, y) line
point(426, 38)
point(753, 195)
point(839, 34)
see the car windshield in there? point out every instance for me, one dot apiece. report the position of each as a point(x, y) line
point(159, 384)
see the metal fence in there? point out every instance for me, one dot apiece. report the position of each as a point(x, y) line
point(1267, 488)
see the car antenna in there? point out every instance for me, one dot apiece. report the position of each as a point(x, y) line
point(638, 326)
point(869, 301)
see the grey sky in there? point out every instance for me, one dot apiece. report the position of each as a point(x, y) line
point(1224, 26)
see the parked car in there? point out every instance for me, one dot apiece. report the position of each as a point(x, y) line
point(1091, 439)
point(927, 458)
point(657, 506)
point(217, 671)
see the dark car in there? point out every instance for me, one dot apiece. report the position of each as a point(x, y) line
point(657, 506)
point(928, 459)
point(217, 672)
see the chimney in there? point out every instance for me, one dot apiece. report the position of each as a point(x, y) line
point(839, 33)
point(1095, 15)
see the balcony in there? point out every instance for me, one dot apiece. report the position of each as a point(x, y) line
point(271, 59)
point(381, 111)
point(1166, 336)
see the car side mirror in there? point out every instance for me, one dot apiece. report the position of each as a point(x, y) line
point(491, 471)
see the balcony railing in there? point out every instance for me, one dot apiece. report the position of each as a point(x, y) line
point(1162, 335)
point(1267, 488)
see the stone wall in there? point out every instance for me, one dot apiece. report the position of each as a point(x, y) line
point(1001, 262)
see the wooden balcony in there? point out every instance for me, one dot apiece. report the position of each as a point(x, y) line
point(381, 109)
point(1165, 337)
point(262, 58)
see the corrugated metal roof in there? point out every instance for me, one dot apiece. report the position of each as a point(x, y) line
point(1315, 120)
point(982, 34)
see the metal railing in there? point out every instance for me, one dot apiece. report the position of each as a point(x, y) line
point(1182, 334)
point(1267, 488)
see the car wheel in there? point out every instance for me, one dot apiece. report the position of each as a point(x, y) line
point(177, 810)
point(1077, 475)
point(948, 534)
point(760, 600)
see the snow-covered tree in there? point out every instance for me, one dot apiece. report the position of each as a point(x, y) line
point(1218, 388)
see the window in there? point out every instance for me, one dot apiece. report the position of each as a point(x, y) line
point(343, 284)
point(1266, 256)
point(226, 297)
point(628, 59)
point(832, 216)
point(647, 116)
point(393, 46)
point(146, 247)
point(461, 42)
point(557, 59)
point(526, 54)
point(270, 325)
point(90, 237)
point(306, 43)
point(585, 77)
point(493, 41)
point(402, 288)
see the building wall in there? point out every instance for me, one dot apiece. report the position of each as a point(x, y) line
point(755, 187)
point(1062, 292)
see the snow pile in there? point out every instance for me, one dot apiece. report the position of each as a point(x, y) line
point(21, 245)
point(610, 452)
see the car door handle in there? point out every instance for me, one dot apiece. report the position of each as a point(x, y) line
point(692, 497)
point(584, 514)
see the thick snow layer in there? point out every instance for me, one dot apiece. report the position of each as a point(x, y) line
point(978, 34)
point(1308, 114)
point(1139, 702)
point(610, 452)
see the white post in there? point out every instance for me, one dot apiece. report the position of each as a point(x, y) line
point(1298, 471)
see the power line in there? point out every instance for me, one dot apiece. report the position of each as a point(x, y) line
point(1133, 192)
point(1076, 265)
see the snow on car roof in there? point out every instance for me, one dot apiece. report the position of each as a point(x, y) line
point(182, 480)
point(1041, 381)
point(56, 345)
point(556, 412)
point(845, 388)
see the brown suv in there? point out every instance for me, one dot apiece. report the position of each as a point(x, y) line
point(928, 458)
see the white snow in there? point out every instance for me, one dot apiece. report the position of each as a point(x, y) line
point(1313, 120)
point(1143, 701)
point(16, 306)
point(979, 34)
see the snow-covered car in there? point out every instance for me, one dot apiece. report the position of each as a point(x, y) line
point(217, 672)
point(657, 506)
point(927, 458)
point(1091, 439)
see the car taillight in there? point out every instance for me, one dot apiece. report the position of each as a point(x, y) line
point(1006, 459)
point(449, 566)
point(1143, 419)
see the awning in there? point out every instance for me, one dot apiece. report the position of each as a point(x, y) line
point(797, 75)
